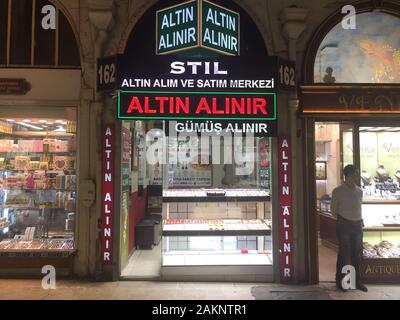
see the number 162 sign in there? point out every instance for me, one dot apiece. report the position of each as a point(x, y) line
point(107, 74)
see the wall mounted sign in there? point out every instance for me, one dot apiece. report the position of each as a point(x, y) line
point(197, 105)
point(198, 24)
point(10, 86)
point(199, 60)
point(285, 209)
point(107, 201)
point(106, 78)
point(349, 99)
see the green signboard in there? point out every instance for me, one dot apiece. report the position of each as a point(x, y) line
point(219, 29)
point(198, 24)
point(177, 28)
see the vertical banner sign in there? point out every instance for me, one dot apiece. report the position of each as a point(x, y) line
point(108, 149)
point(285, 209)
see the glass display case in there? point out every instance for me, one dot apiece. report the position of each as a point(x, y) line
point(380, 168)
point(216, 227)
point(37, 184)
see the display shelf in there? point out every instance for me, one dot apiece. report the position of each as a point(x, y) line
point(37, 154)
point(215, 195)
point(11, 206)
point(231, 227)
point(42, 134)
point(216, 258)
point(381, 201)
point(383, 228)
point(26, 189)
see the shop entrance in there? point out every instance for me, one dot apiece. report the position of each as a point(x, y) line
point(333, 151)
point(194, 216)
point(374, 149)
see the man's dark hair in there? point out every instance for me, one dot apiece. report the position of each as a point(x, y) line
point(349, 169)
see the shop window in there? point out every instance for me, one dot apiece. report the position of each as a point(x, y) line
point(45, 40)
point(366, 54)
point(37, 183)
point(3, 30)
point(68, 51)
point(21, 34)
point(24, 42)
point(380, 174)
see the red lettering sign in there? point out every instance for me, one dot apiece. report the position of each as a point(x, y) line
point(285, 209)
point(167, 105)
point(107, 201)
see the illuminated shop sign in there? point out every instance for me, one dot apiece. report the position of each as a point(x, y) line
point(285, 209)
point(198, 24)
point(107, 201)
point(197, 105)
point(348, 99)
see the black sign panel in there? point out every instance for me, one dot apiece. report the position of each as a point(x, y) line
point(223, 128)
point(286, 75)
point(107, 74)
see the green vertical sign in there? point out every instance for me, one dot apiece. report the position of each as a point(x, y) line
point(124, 250)
point(219, 29)
point(177, 27)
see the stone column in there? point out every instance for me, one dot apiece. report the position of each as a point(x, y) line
point(293, 21)
point(101, 17)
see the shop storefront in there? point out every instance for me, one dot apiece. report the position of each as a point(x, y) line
point(194, 160)
point(350, 109)
point(39, 100)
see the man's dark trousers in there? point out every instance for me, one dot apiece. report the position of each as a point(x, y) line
point(350, 236)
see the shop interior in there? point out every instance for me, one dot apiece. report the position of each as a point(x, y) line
point(38, 181)
point(376, 151)
point(196, 215)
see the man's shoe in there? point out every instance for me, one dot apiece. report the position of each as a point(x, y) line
point(361, 287)
point(339, 286)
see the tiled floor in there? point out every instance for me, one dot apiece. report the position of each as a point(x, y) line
point(144, 264)
point(327, 264)
point(153, 290)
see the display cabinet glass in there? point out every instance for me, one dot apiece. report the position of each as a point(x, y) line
point(216, 227)
point(380, 178)
point(37, 184)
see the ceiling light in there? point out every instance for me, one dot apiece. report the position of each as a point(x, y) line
point(42, 121)
point(59, 121)
point(60, 129)
point(26, 120)
point(29, 126)
point(10, 120)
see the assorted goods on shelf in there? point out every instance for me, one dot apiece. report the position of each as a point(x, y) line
point(38, 180)
point(382, 186)
point(37, 244)
point(45, 145)
point(384, 249)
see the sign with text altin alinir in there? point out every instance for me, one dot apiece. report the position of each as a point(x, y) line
point(198, 24)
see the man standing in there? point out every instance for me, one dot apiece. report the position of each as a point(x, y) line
point(346, 206)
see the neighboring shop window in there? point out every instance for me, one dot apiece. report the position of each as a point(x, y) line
point(366, 54)
point(37, 183)
point(24, 41)
point(380, 181)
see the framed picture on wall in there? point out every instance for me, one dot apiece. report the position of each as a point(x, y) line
point(320, 170)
